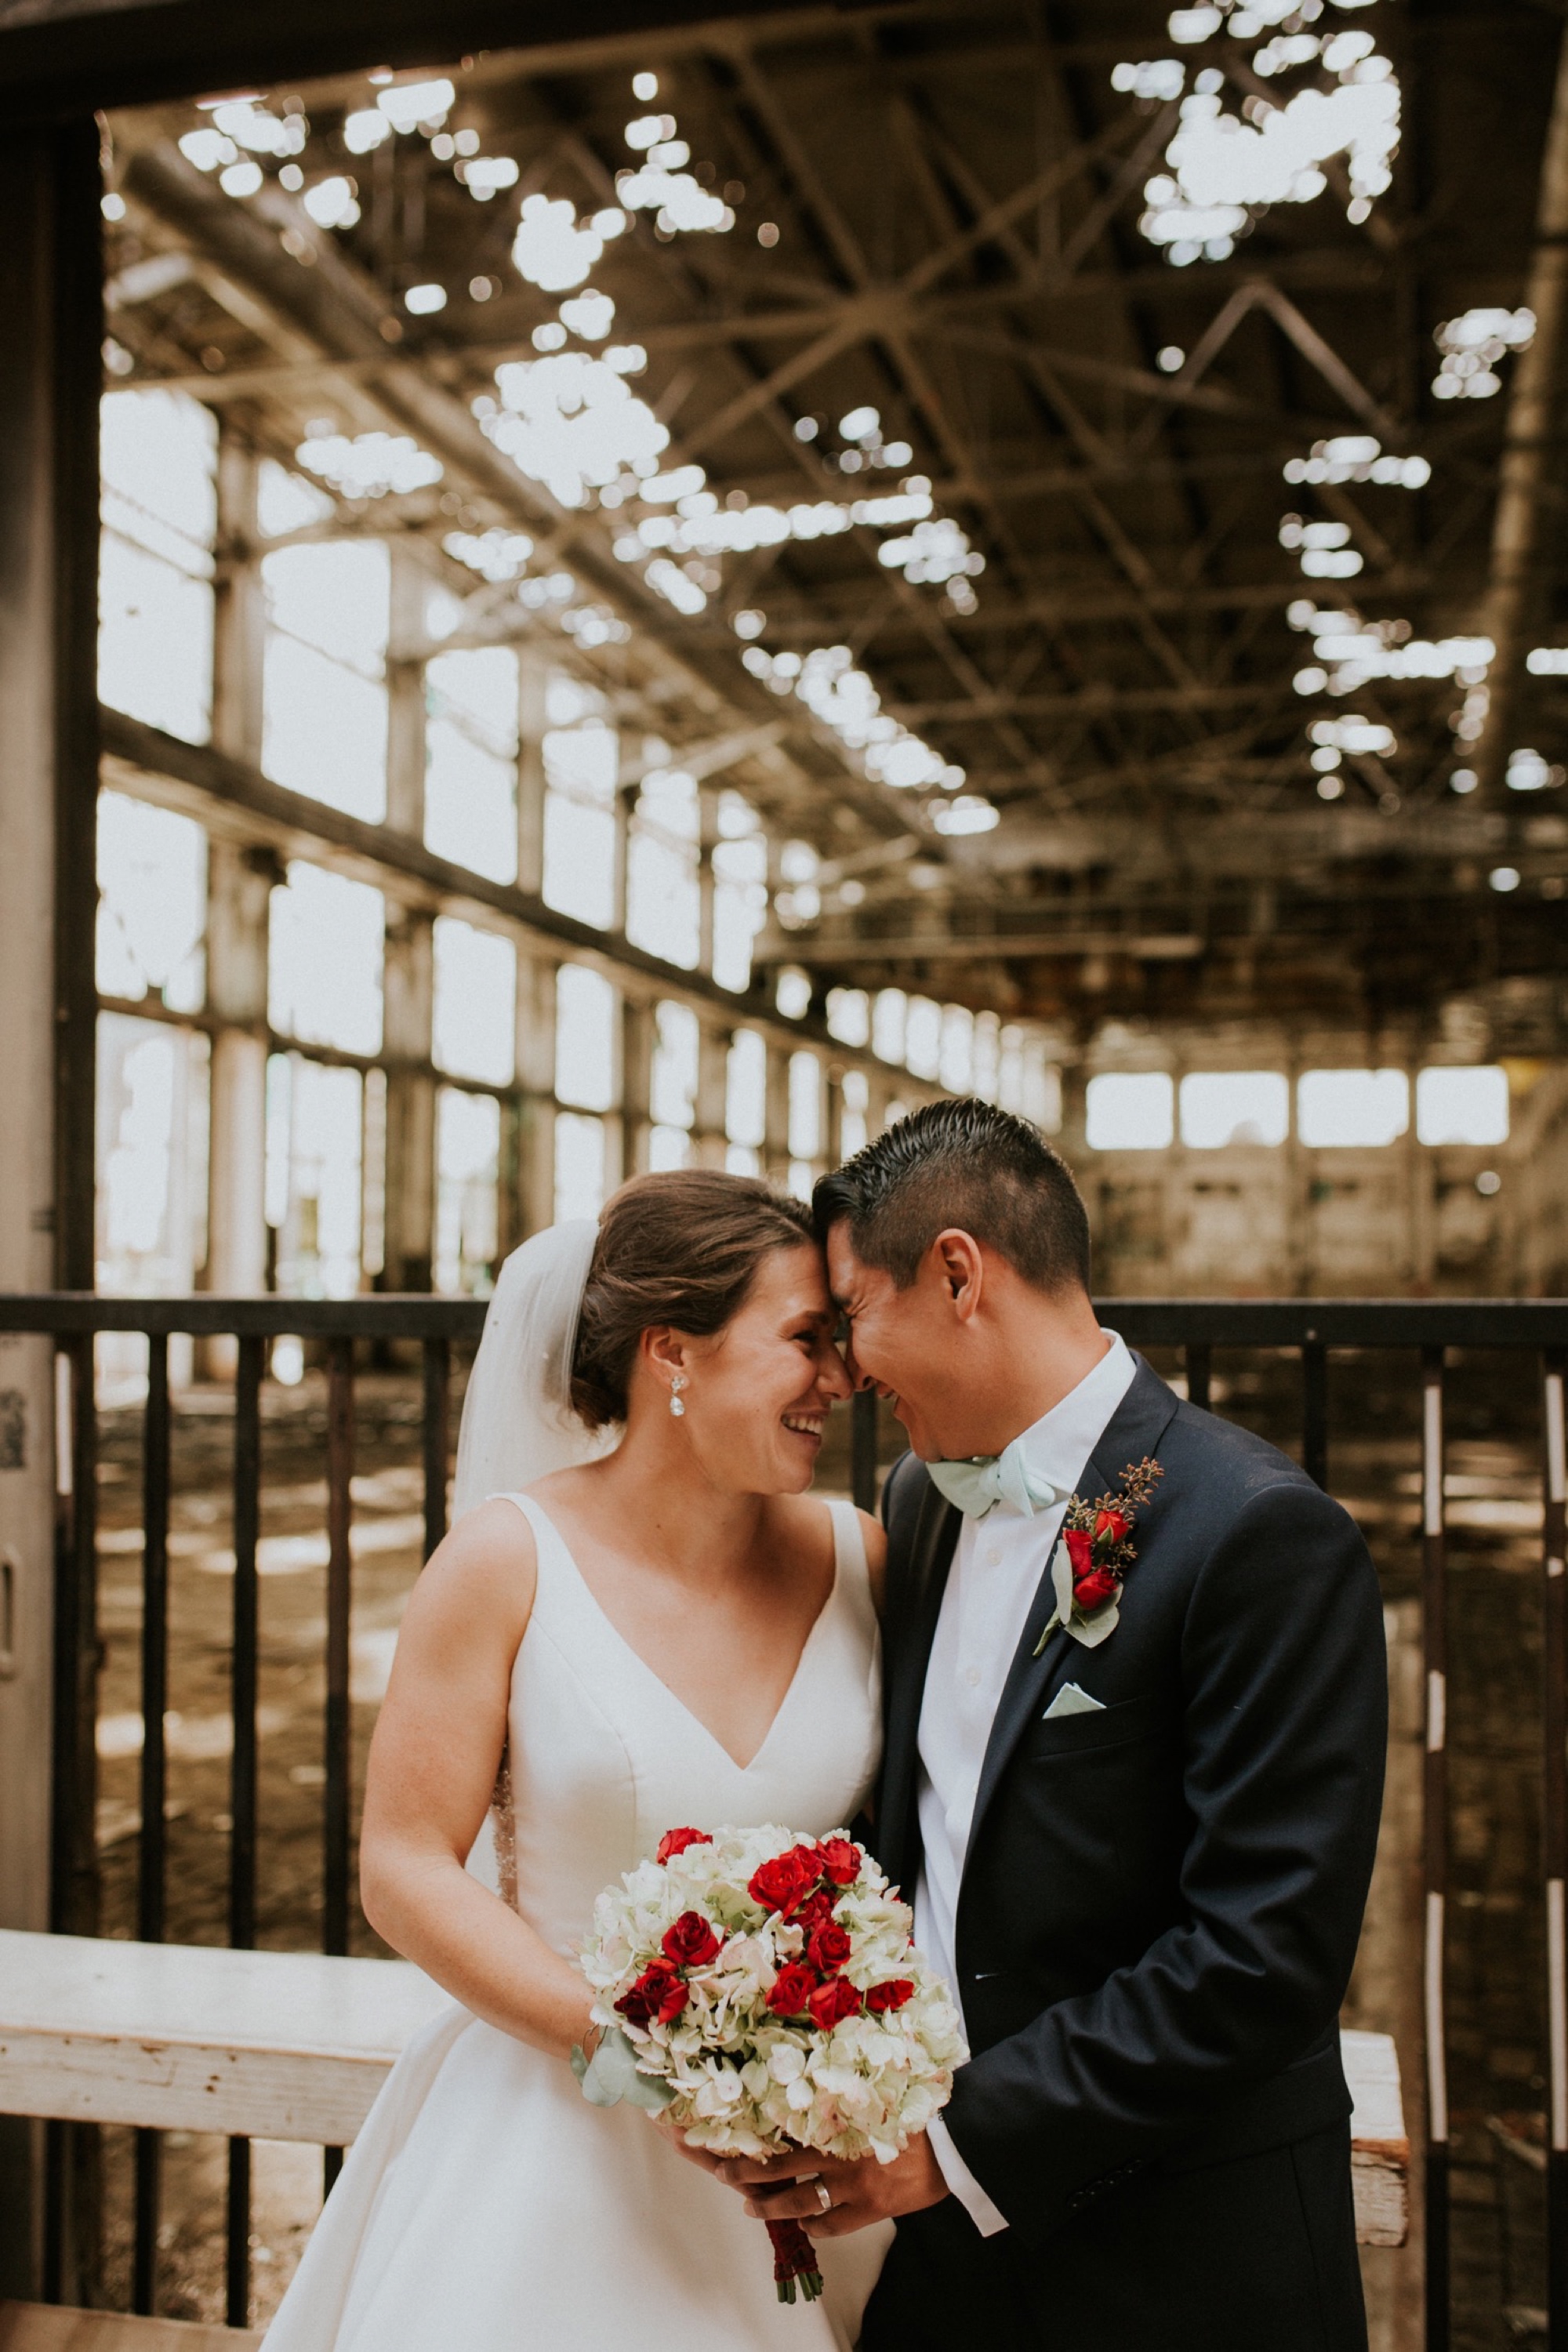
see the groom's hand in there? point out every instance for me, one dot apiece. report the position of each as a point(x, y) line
point(785, 2188)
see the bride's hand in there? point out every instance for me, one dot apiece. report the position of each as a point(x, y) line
point(792, 2188)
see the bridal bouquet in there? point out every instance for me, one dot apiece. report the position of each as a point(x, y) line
point(760, 1990)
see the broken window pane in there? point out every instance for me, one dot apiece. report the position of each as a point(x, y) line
point(324, 959)
point(662, 909)
point(1226, 1107)
point(805, 1105)
point(314, 1143)
point(579, 1165)
point(585, 1057)
point(1131, 1110)
point(152, 1141)
point(470, 760)
point(159, 453)
point(152, 906)
point(889, 1012)
point(745, 1096)
point(1462, 1106)
point(468, 1166)
point(580, 765)
point(475, 1022)
point(324, 690)
point(1352, 1107)
point(739, 890)
point(672, 1091)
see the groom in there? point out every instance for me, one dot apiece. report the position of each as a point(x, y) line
point(1132, 1782)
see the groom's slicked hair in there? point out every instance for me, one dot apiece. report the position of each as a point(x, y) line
point(960, 1163)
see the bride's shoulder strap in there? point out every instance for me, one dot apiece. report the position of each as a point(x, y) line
point(853, 1571)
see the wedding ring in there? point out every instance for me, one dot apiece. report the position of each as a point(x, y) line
point(822, 2198)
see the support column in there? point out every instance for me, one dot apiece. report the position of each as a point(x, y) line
point(833, 1129)
point(710, 1138)
point(533, 679)
point(408, 1008)
point(50, 369)
point(637, 1086)
point(775, 1116)
point(405, 696)
point(536, 1104)
point(1420, 1199)
point(707, 840)
point(240, 614)
point(239, 890)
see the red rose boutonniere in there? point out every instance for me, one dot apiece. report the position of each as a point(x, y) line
point(1093, 1556)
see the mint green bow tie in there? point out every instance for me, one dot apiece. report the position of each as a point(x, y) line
point(1009, 1477)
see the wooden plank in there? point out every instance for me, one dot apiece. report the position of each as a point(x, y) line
point(295, 2045)
point(1380, 2146)
point(283, 2045)
point(49, 2327)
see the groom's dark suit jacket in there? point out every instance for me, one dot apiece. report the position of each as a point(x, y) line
point(1161, 1900)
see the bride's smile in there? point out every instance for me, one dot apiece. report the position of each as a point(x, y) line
point(754, 1396)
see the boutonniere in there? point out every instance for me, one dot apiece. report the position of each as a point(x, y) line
point(1093, 1554)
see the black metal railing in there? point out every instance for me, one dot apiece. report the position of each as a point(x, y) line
point(73, 1321)
point(1537, 1329)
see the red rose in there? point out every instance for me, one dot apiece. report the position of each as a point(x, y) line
point(1080, 1551)
point(659, 1993)
point(1112, 1527)
point(892, 1995)
point(690, 1943)
point(831, 2001)
point(841, 1861)
point(676, 1842)
point(814, 1913)
point(784, 1884)
point(1091, 1591)
point(828, 1948)
point(792, 1990)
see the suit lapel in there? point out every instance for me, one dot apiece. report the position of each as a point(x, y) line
point(1133, 1431)
point(935, 1539)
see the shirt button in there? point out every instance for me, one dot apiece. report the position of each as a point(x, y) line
point(992, 1558)
point(972, 1675)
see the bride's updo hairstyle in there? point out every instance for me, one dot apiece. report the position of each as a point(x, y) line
point(682, 1248)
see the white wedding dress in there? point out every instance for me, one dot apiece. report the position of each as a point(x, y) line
point(486, 2206)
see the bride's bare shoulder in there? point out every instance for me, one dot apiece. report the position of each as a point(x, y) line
point(482, 1574)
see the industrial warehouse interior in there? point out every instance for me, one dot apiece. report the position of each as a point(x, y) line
point(627, 587)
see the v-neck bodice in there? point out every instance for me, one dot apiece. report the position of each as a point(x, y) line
point(604, 1757)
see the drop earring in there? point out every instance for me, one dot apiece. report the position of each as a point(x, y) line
point(676, 1406)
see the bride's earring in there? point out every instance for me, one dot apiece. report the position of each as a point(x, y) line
point(676, 1406)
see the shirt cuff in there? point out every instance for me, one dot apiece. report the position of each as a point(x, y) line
point(985, 2215)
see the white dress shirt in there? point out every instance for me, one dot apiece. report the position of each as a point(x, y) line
point(995, 1573)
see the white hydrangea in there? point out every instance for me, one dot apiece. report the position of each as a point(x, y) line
point(742, 2079)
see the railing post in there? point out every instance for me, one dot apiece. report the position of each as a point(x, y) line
point(1554, 1840)
point(1315, 1410)
point(863, 1448)
point(1199, 1359)
point(437, 1362)
point(73, 2186)
point(152, 1857)
point(340, 1599)
point(242, 1774)
point(1435, 1820)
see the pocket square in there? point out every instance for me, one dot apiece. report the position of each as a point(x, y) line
point(1071, 1700)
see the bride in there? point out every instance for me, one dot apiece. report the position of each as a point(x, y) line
point(661, 1630)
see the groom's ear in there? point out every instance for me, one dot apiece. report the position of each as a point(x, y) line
point(960, 1270)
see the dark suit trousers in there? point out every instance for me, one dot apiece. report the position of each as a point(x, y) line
point(1234, 2257)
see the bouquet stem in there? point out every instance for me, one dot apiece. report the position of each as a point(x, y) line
point(794, 2261)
